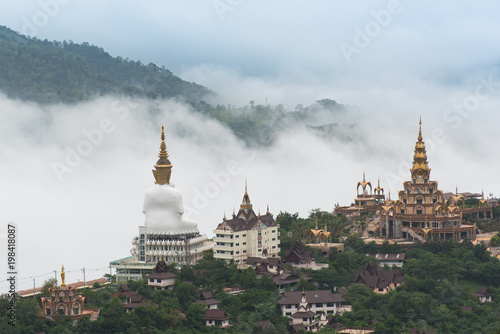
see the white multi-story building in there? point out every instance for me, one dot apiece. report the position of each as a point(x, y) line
point(246, 235)
point(166, 235)
point(319, 301)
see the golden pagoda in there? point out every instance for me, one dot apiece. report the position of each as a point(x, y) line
point(421, 212)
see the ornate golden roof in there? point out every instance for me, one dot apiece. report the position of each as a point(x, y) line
point(420, 166)
point(163, 167)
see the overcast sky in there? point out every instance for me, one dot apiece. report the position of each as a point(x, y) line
point(395, 60)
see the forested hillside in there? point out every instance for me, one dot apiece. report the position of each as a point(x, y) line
point(52, 72)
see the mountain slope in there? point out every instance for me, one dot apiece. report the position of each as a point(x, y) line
point(48, 72)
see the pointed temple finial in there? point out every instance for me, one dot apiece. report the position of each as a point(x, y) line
point(379, 182)
point(234, 214)
point(259, 212)
point(267, 212)
point(482, 194)
point(420, 129)
point(389, 195)
point(246, 204)
point(163, 167)
point(316, 221)
point(420, 168)
point(63, 276)
point(364, 176)
point(224, 216)
point(456, 190)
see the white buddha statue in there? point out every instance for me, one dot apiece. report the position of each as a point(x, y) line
point(163, 205)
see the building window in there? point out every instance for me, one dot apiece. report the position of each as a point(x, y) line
point(419, 200)
point(435, 224)
point(274, 247)
point(244, 251)
point(151, 280)
point(425, 180)
point(402, 211)
point(237, 244)
point(238, 252)
point(48, 311)
point(273, 231)
point(75, 311)
point(319, 304)
point(158, 280)
point(329, 305)
point(237, 236)
point(431, 190)
point(244, 243)
point(419, 211)
point(244, 235)
point(408, 190)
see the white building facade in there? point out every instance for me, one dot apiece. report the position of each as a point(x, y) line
point(246, 235)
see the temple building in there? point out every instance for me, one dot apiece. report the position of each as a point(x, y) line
point(246, 235)
point(368, 200)
point(65, 300)
point(421, 212)
point(166, 235)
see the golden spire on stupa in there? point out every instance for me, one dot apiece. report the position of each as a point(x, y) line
point(163, 167)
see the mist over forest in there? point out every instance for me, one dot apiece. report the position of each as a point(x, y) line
point(78, 142)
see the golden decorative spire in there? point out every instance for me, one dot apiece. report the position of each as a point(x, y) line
point(420, 129)
point(163, 167)
point(456, 190)
point(364, 176)
point(246, 204)
point(420, 168)
point(63, 276)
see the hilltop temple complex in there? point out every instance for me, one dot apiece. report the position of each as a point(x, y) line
point(166, 235)
point(367, 201)
point(421, 212)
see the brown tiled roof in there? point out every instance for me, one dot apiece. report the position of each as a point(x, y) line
point(466, 308)
point(288, 277)
point(308, 314)
point(78, 285)
point(206, 298)
point(215, 315)
point(264, 324)
point(298, 252)
point(162, 275)
point(374, 277)
point(123, 290)
point(247, 221)
point(314, 296)
point(483, 291)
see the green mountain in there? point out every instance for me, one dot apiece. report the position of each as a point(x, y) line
point(51, 72)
